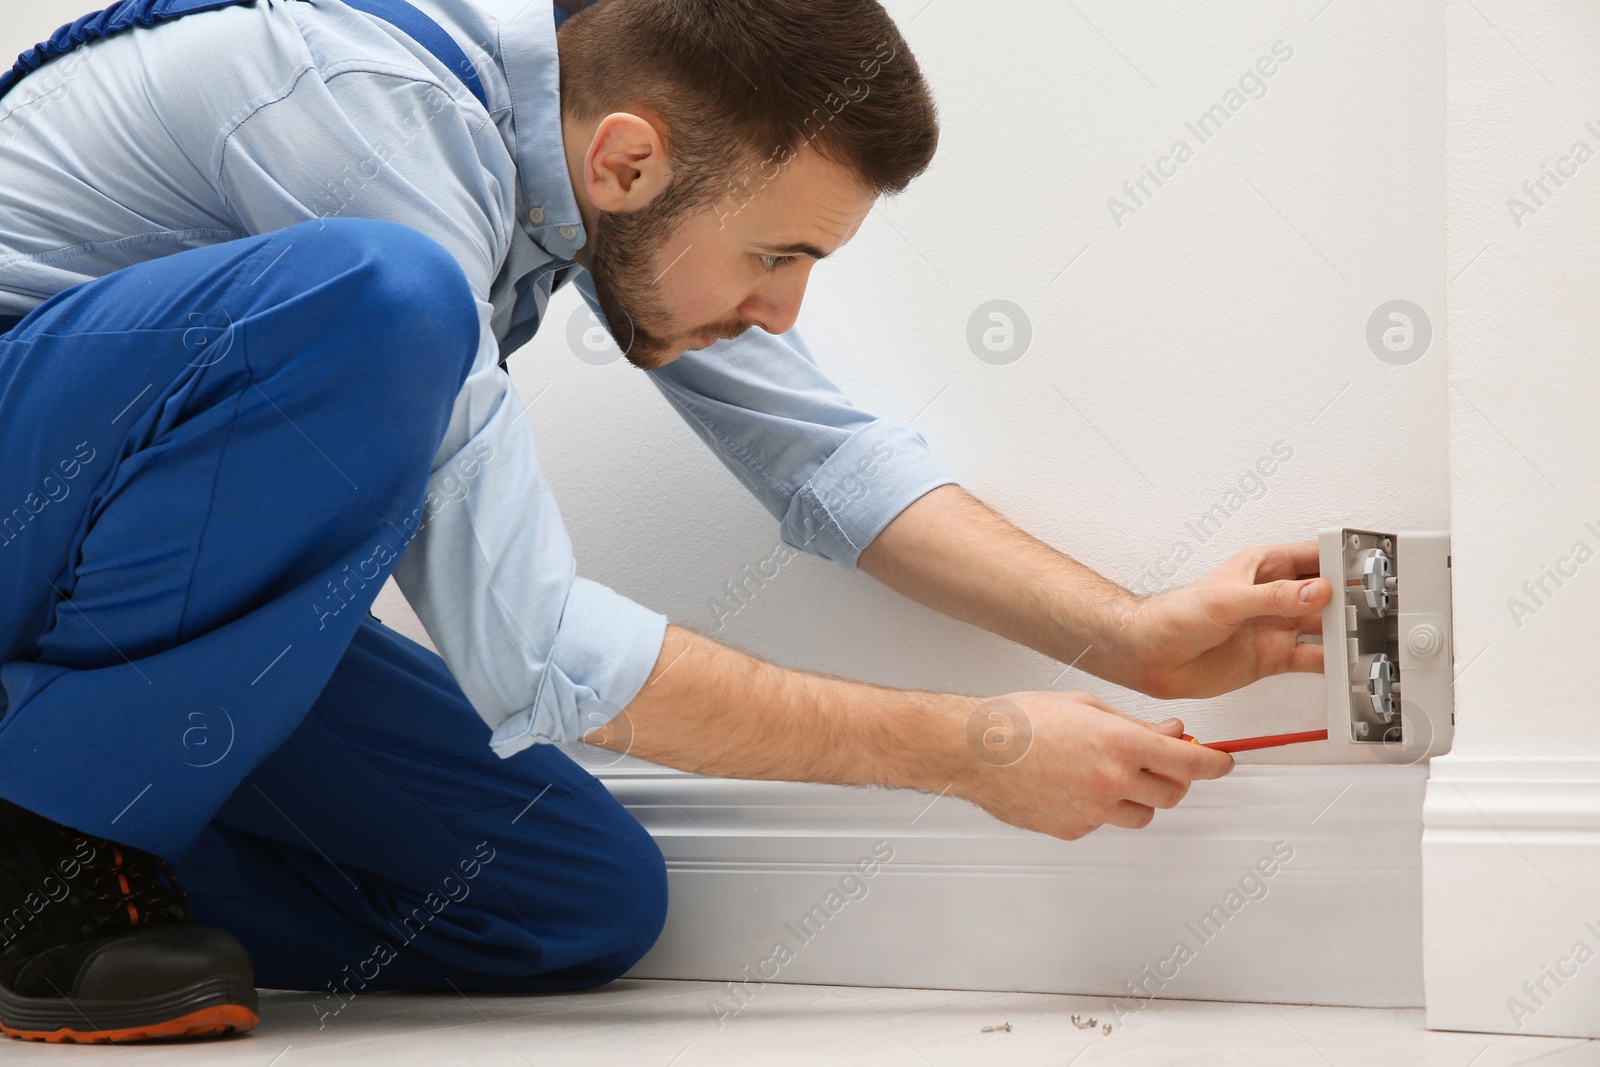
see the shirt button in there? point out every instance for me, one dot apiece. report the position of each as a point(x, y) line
point(536, 215)
point(569, 232)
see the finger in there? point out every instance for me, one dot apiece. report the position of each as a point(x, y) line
point(1166, 728)
point(1131, 816)
point(1157, 790)
point(1186, 761)
point(1296, 558)
point(1292, 597)
point(1281, 599)
point(1294, 562)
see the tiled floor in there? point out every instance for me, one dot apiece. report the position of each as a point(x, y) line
point(670, 1024)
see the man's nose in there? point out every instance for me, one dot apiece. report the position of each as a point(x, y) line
point(774, 305)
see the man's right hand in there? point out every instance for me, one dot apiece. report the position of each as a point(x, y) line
point(1064, 763)
point(1057, 763)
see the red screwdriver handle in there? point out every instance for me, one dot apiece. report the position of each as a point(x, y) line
point(1245, 744)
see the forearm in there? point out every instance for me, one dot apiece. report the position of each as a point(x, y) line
point(1061, 763)
point(711, 709)
point(950, 552)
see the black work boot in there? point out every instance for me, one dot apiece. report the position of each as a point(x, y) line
point(96, 944)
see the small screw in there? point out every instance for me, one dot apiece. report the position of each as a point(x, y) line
point(989, 1029)
point(1081, 1025)
point(1106, 1029)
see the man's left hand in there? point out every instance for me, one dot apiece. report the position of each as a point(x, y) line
point(1239, 623)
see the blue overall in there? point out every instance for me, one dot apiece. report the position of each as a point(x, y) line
point(178, 487)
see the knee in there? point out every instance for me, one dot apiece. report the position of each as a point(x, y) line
point(632, 919)
point(647, 901)
point(419, 319)
point(611, 912)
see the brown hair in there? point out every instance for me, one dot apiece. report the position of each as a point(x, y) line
point(742, 82)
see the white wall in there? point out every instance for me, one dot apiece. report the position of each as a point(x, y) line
point(1525, 380)
point(1511, 864)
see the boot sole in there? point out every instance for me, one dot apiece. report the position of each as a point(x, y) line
point(215, 1007)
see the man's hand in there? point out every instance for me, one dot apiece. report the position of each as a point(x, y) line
point(1084, 764)
point(1229, 628)
point(1058, 763)
point(1237, 624)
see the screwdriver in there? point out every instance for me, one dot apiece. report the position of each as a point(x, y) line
point(1245, 744)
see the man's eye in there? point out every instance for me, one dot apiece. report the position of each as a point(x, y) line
point(774, 262)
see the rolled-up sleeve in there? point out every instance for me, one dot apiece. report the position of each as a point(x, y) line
point(831, 474)
point(543, 654)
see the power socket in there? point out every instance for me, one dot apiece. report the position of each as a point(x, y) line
point(1387, 651)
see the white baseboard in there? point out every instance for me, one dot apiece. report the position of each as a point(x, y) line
point(1511, 862)
point(967, 902)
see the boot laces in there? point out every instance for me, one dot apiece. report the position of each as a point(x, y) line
point(125, 887)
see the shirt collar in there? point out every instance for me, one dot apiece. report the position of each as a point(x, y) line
point(522, 80)
point(529, 60)
point(524, 75)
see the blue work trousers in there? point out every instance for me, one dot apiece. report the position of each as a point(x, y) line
point(211, 463)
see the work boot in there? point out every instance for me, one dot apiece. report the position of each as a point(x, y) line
point(97, 945)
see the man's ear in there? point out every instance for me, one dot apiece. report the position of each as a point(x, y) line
point(626, 165)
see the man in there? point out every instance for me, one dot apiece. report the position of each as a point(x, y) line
point(262, 262)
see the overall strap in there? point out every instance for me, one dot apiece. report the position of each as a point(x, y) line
point(565, 9)
point(430, 35)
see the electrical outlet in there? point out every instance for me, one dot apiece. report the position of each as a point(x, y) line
point(1386, 643)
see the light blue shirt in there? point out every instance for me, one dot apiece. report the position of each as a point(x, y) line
point(248, 119)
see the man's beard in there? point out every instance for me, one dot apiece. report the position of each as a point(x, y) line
point(621, 262)
point(623, 248)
